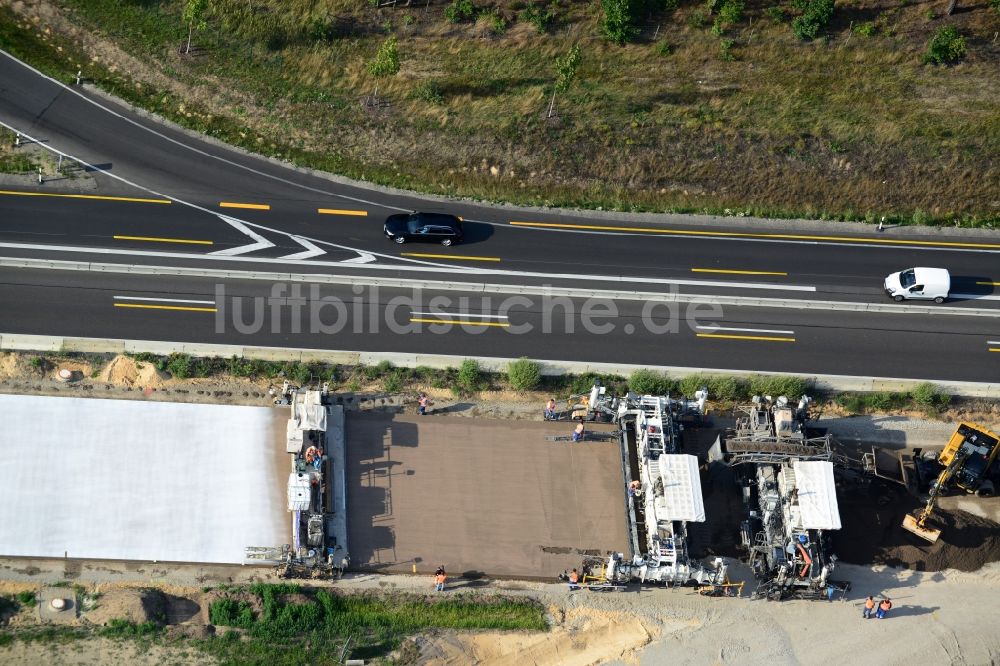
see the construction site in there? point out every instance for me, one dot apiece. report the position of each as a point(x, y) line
point(606, 493)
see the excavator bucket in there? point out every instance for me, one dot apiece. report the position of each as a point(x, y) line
point(927, 533)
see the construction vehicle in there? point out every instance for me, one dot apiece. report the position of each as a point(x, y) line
point(966, 460)
point(661, 490)
point(790, 496)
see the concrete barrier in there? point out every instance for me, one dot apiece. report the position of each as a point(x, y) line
point(834, 383)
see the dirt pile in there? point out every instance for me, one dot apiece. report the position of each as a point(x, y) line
point(872, 533)
point(586, 636)
point(123, 370)
point(134, 605)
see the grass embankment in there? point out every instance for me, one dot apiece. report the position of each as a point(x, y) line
point(315, 627)
point(13, 160)
point(522, 375)
point(754, 121)
point(275, 625)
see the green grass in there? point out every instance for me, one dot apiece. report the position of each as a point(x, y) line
point(833, 129)
point(314, 630)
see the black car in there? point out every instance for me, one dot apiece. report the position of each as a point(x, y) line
point(433, 227)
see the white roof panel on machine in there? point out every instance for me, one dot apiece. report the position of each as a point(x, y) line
point(682, 498)
point(817, 495)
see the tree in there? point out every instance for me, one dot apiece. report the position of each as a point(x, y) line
point(194, 16)
point(566, 67)
point(385, 63)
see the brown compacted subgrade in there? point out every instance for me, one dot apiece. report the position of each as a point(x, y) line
point(479, 497)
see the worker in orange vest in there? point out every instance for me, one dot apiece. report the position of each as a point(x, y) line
point(440, 578)
point(579, 432)
point(883, 608)
point(869, 607)
point(574, 579)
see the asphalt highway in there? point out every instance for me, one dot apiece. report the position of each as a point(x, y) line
point(166, 198)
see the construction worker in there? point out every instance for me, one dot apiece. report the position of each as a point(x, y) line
point(883, 608)
point(574, 579)
point(422, 402)
point(869, 607)
point(634, 488)
point(579, 432)
point(550, 410)
point(440, 578)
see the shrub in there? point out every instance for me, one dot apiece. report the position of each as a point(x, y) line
point(179, 366)
point(815, 15)
point(995, 4)
point(460, 10)
point(372, 372)
point(428, 91)
point(121, 628)
point(927, 394)
point(730, 13)
point(663, 48)
point(726, 50)
point(776, 14)
point(692, 383)
point(866, 29)
point(524, 374)
point(26, 598)
point(470, 377)
point(231, 613)
point(616, 24)
point(647, 382)
point(790, 387)
point(851, 402)
point(540, 19)
point(920, 216)
point(494, 20)
point(393, 381)
point(727, 388)
point(945, 47)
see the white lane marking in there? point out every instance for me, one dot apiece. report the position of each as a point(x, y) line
point(459, 314)
point(745, 330)
point(363, 258)
point(743, 240)
point(977, 297)
point(309, 252)
point(993, 342)
point(160, 300)
point(260, 244)
point(421, 268)
point(199, 151)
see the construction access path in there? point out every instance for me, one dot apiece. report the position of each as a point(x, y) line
point(479, 497)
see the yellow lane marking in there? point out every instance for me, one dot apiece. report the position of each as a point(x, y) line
point(154, 239)
point(415, 320)
point(997, 349)
point(230, 204)
point(337, 211)
point(447, 256)
point(84, 196)
point(733, 272)
point(744, 337)
point(738, 234)
point(163, 307)
point(990, 284)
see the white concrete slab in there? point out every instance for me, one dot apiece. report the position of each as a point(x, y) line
point(140, 480)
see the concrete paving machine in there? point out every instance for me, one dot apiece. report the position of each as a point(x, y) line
point(966, 461)
point(790, 495)
point(663, 494)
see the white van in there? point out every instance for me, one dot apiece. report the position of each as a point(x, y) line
point(919, 283)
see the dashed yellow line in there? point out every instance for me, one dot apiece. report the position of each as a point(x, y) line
point(338, 211)
point(154, 239)
point(84, 196)
point(738, 234)
point(765, 338)
point(415, 320)
point(990, 284)
point(994, 349)
point(447, 256)
point(251, 206)
point(735, 272)
point(163, 307)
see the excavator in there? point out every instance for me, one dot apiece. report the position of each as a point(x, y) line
point(966, 460)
